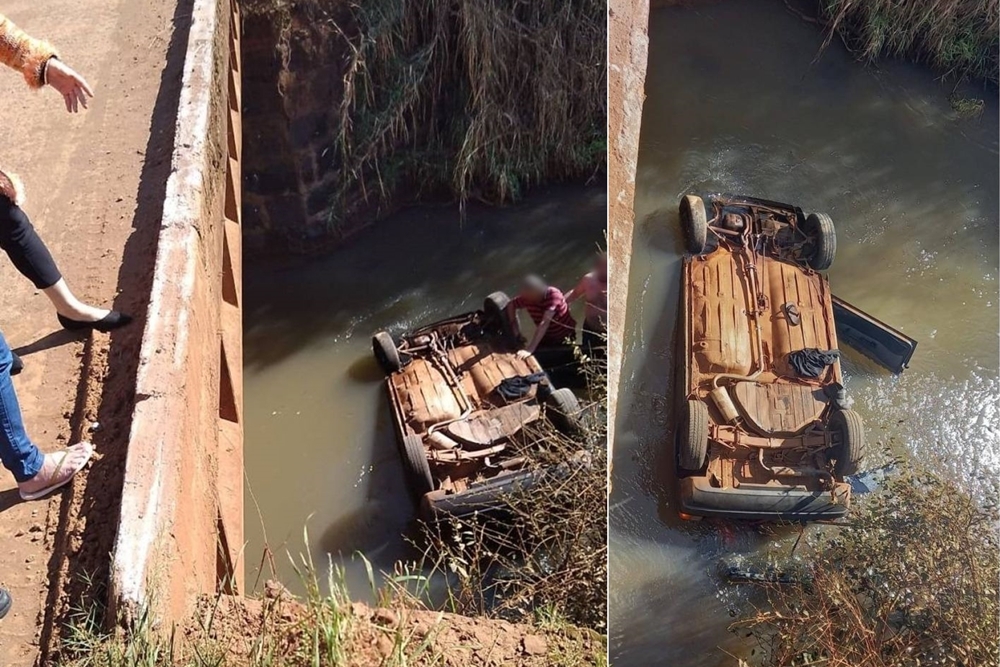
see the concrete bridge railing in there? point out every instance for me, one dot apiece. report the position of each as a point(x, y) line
point(180, 533)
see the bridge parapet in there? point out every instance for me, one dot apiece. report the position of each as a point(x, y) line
point(180, 532)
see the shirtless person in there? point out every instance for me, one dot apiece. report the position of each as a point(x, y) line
point(548, 309)
point(593, 288)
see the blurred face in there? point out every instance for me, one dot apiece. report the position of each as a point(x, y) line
point(532, 293)
point(601, 267)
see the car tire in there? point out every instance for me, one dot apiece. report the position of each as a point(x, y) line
point(819, 226)
point(694, 224)
point(495, 307)
point(386, 353)
point(418, 470)
point(563, 409)
point(850, 452)
point(692, 439)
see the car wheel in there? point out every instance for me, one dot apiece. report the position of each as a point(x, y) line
point(819, 226)
point(417, 468)
point(692, 440)
point(386, 353)
point(694, 224)
point(563, 410)
point(850, 452)
point(495, 307)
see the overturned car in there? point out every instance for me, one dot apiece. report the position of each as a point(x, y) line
point(764, 428)
point(462, 403)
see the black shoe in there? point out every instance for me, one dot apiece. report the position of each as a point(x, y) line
point(16, 365)
point(111, 321)
point(5, 602)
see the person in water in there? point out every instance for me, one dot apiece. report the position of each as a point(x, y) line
point(547, 308)
point(593, 289)
point(40, 65)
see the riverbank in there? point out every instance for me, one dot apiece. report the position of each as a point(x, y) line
point(281, 630)
point(357, 110)
point(909, 580)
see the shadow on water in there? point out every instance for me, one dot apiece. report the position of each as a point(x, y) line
point(735, 102)
point(319, 436)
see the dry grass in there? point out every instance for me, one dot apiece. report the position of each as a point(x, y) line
point(546, 560)
point(960, 38)
point(471, 99)
point(912, 581)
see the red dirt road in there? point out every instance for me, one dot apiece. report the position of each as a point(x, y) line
point(94, 186)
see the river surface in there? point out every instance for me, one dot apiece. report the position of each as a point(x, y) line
point(735, 102)
point(320, 449)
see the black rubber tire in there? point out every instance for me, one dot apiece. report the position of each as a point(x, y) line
point(386, 353)
point(418, 470)
point(692, 437)
point(694, 224)
point(850, 453)
point(820, 227)
point(495, 307)
point(563, 409)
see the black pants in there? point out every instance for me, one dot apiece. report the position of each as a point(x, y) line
point(24, 247)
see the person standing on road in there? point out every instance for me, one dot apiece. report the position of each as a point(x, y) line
point(37, 474)
point(39, 63)
point(593, 288)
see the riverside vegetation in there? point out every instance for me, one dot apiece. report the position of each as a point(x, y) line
point(910, 581)
point(529, 590)
point(446, 100)
point(960, 38)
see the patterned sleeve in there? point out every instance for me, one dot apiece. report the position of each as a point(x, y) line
point(23, 53)
point(517, 302)
point(554, 300)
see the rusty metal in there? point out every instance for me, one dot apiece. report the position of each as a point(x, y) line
point(448, 381)
point(738, 334)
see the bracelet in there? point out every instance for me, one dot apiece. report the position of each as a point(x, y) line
point(45, 70)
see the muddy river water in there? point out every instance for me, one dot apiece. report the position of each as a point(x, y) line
point(735, 103)
point(320, 450)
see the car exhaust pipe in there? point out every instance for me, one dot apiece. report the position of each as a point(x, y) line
point(720, 396)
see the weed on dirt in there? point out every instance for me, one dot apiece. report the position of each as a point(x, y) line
point(912, 580)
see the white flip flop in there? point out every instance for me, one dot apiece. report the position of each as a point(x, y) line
point(41, 493)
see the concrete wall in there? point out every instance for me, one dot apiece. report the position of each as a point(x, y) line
point(627, 52)
point(181, 524)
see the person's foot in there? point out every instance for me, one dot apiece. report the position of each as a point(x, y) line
point(57, 471)
point(109, 321)
point(5, 602)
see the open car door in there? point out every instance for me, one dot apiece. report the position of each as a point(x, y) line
point(873, 338)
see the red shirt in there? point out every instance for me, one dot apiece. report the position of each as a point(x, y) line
point(563, 325)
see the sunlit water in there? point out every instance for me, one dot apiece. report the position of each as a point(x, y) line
point(319, 440)
point(735, 103)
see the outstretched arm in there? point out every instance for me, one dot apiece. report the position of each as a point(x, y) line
point(540, 330)
point(39, 64)
point(578, 291)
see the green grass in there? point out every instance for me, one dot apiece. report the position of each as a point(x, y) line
point(960, 38)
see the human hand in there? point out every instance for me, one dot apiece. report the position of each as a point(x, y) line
point(73, 87)
point(523, 354)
